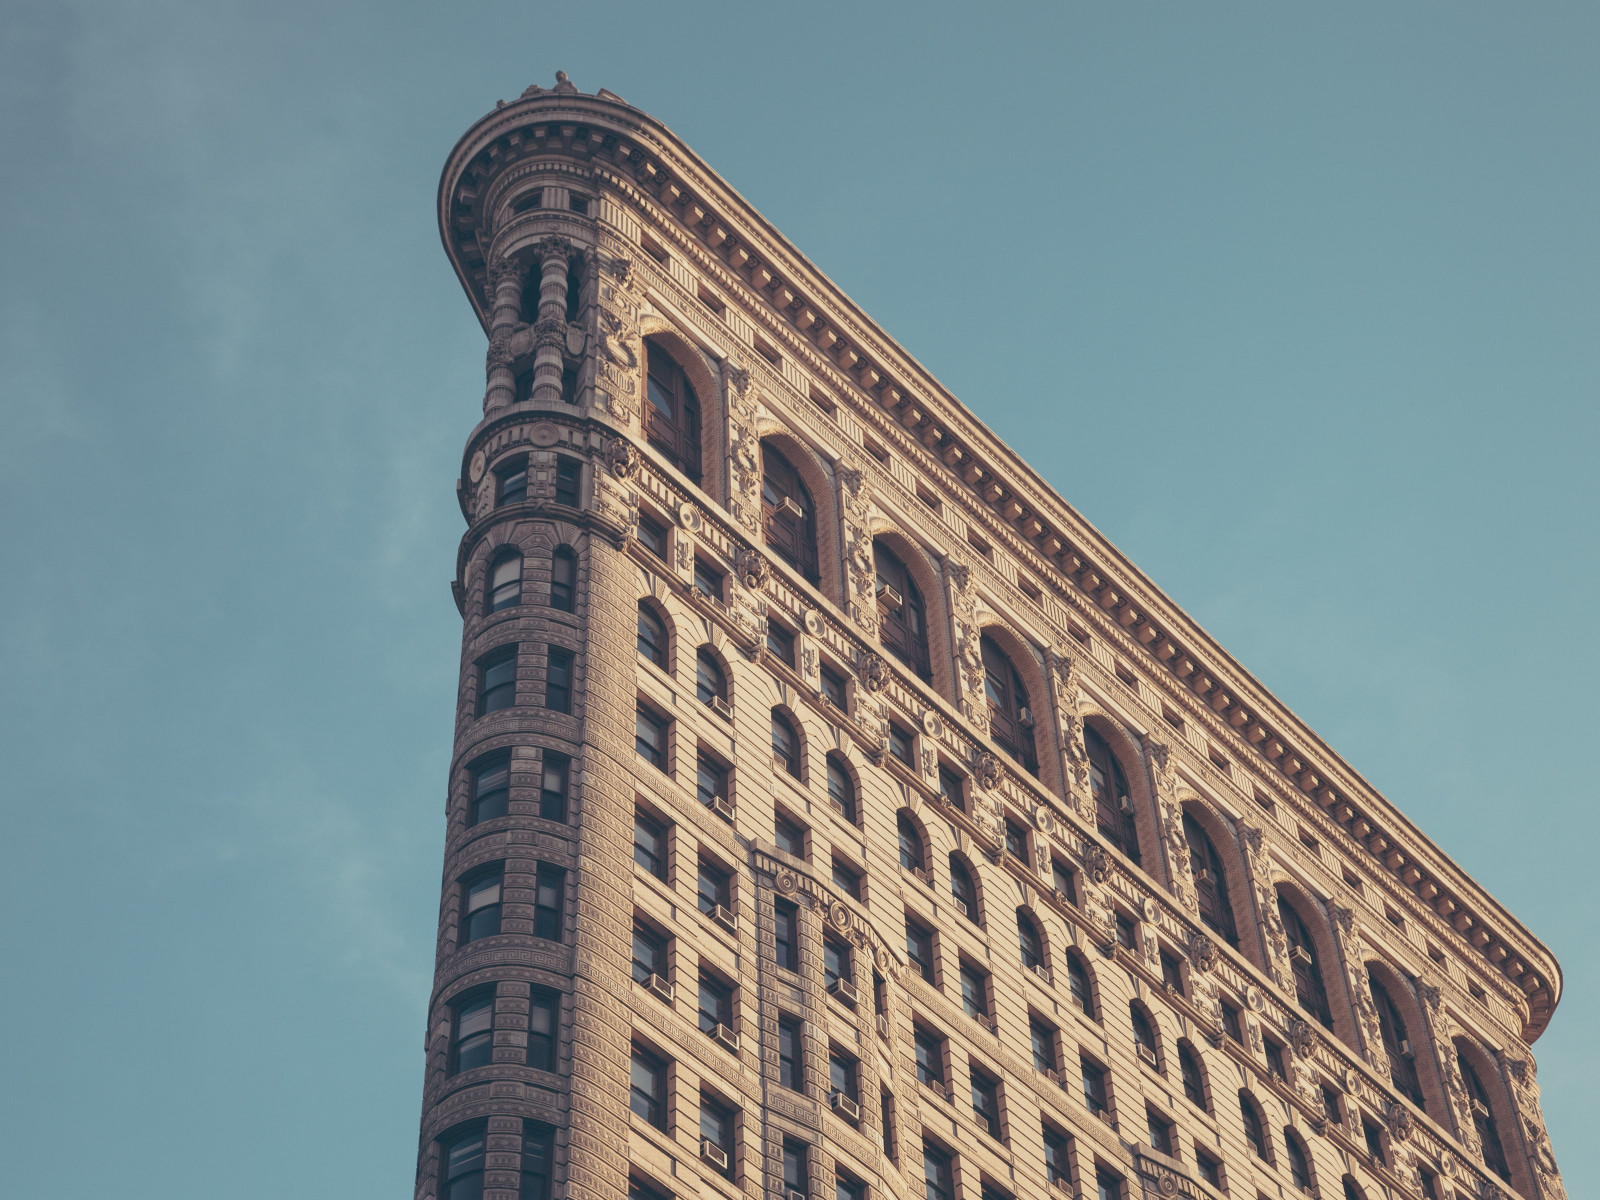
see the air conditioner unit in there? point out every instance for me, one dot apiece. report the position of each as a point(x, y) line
point(883, 1026)
point(1025, 718)
point(1125, 803)
point(1405, 1049)
point(713, 1154)
point(659, 988)
point(1055, 1077)
point(722, 808)
point(788, 508)
point(1148, 1055)
point(722, 708)
point(1203, 876)
point(889, 598)
point(1042, 971)
point(845, 1107)
point(844, 990)
point(1300, 956)
point(726, 1038)
point(962, 905)
point(925, 876)
point(936, 1088)
point(726, 919)
point(1479, 1108)
point(791, 1194)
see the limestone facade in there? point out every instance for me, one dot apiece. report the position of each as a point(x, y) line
point(833, 811)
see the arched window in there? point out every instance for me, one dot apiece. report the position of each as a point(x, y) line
point(788, 517)
point(785, 744)
point(1254, 1132)
point(963, 889)
point(1010, 719)
point(1299, 1164)
point(1144, 1036)
point(563, 578)
point(912, 857)
point(1352, 1189)
point(1210, 882)
point(505, 581)
point(841, 789)
point(710, 684)
point(1494, 1154)
point(672, 416)
point(1402, 1059)
point(1194, 1084)
point(902, 617)
point(1078, 984)
point(1113, 803)
point(652, 636)
point(1308, 985)
point(1029, 944)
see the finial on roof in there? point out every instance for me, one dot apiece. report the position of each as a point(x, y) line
point(563, 84)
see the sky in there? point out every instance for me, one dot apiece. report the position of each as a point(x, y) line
point(1297, 304)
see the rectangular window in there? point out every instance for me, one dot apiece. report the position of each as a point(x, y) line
point(547, 907)
point(833, 687)
point(716, 1127)
point(796, 1168)
point(886, 1107)
point(786, 935)
point(461, 1167)
point(563, 579)
point(1210, 1169)
point(1016, 841)
point(480, 904)
point(1125, 933)
point(1062, 878)
point(1042, 1039)
point(650, 844)
point(974, 992)
point(553, 786)
point(937, 1174)
point(1057, 1157)
point(558, 680)
point(847, 880)
point(472, 1036)
point(511, 481)
point(1094, 1087)
point(497, 681)
point(544, 1012)
point(650, 737)
point(578, 204)
point(707, 580)
point(900, 744)
point(1160, 1130)
point(647, 1091)
point(930, 1057)
point(919, 948)
point(780, 643)
point(1230, 1022)
point(842, 1075)
point(710, 781)
point(836, 963)
point(1107, 1186)
point(653, 537)
point(1374, 1139)
point(790, 838)
point(986, 1102)
point(1171, 972)
point(491, 789)
point(950, 787)
point(1275, 1062)
point(567, 476)
point(649, 953)
point(713, 888)
point(716, 1004)
point(845, 1188)
point(538, 1146)
point(789, 1070)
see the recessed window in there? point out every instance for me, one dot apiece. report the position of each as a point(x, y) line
point(715, 1004)
point(1171, 972)
point(1065, 881)
point(1113, 803)
point(833, 687)
point(708, 581)
point(653, 248)
point(1352, 881)
point(841, 790)
point(1374, 1140)
point(962, 889)
point(653, 537)
point(511, 481)
point(568, 472)
point(713, 888)
point(1160, 1130)
point(529, 200)
point(1309, 988)
point(538, 1151)
point(790, 1074)
point(710, 299)
point(1107, 1185)
point(558, 680)
point(671, 412)
point(900, 744)
point(1127, 677)
point(847, 879)
point(1017, 842)
point(711, 783)
point(497, 681)
point(1210, 1168)
point(1127, 938)
point(650, 844)
point(978, 544)
point(950, 787)
point(1078, 985)
point(1193, 1082)
point(472, 1034)
point(986, 1101)
point(912, 856)
point(563, 578)
point(1010, 715)
point(1219, 760)
point(1172, 718)
point(1396, 1042)
point(1254, 1133)
point(785, 744)
point(650, 737)
point(553, 782)
point(1230, 1022)
point(505, 581)
point(1276, 1064)
point(1210, 882)
point(845, 1188)
point(1144, 1038)
point(647, 1090)
point(652, 636)
point(974, 992)
point(1330, 1105)
point(874, 448)
point(461, 1167)
point(1029, 944)
point(710, 684)
point(574, 298)
point(790, 838)
point(838, 964)
point(1265, 801)
point(919, 948)
point(491, 789)
point(789, 517)
point(842, 1076)
point(547, 905)
point(649, 953)
point(938, 1173)
point(1310, 842)
point(544, 1014)
point(1299, 1164)
point(578, 204)
point(716, 1130)
point(796, 1168)
point(480, 904)
point(1057, 1157)
point(1393, 917)
point(786, 935)
point(929, 1048)
point(902, 616)
point(1029, 589)
point(1094, 1087)
point(1042, 1041)
point(768, 351)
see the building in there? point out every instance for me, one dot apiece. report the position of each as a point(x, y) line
point(834, 813)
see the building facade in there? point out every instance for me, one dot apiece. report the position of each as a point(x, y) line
point(834, 813)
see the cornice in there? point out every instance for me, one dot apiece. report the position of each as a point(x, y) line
point(795, 305)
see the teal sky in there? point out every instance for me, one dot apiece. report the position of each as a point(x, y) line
point(1298, 304)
